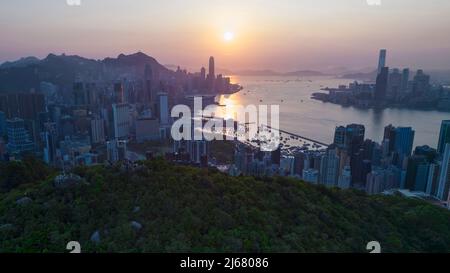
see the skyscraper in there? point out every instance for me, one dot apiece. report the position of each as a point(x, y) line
point(211, 79)
point(202, 73)
point(381, 84)
point(149, 81)
point(389, 135)
point(97, 131)
point(381, 60)
point(349, 138)
point(444, 136)
point(421, 83)
point(394, 84)
point(163, 107)
point(212, 72)
point(19, 140)
point(50, 137)
point(405, 80)
point(444, 179)
point(329, 169)
point(121, 120)
point(119, 96)
point(339, 137)
point(417, 173)
point(404, 140)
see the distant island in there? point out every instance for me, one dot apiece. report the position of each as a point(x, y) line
point(387, 87)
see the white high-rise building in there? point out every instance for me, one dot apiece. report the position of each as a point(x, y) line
point(97, 131)
point(329, 169)
point(121, 120)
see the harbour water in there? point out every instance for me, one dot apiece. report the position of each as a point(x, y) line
point(302, 115)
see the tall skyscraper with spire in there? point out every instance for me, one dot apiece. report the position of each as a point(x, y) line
point(211, 75)
point(212, 72)
point(381, 60)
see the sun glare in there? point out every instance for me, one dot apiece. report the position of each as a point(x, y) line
point(228, 36)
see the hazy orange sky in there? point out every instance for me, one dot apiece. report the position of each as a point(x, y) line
point(276, 34)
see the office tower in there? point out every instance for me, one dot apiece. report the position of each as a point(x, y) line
point(19, 140)
point(50, 138)
point(339, 137)
point(381, 60)
point(203, 74)
point(433, 179)
point(121, 120)
point(417, 173)
point(354, 137)
point(360, 167)
point(119, 96)
point(394, 84)
point(389, 135)
point(345, 179)
point(329, 169)
point(116, 150)
point(97, 131)
point(404, 140)
point(421, 83)
point(349, 138)
point(444, 179)
point(163, 107)
point(405, 80)
point(381, 84)
point(444, 136)
point(212, 72)
point(212, 75)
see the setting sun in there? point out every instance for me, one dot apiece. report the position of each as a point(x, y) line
point(228, 36)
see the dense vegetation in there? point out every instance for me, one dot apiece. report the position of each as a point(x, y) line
point(184, 209)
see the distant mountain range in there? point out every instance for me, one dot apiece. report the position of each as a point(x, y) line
point(63, 70)
point(20, 63)
point(362, 76)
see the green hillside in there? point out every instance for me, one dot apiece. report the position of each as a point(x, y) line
point(160, 207)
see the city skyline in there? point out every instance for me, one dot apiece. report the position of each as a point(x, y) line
point(250, 35)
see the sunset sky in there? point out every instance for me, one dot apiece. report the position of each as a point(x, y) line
point(275, 34)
